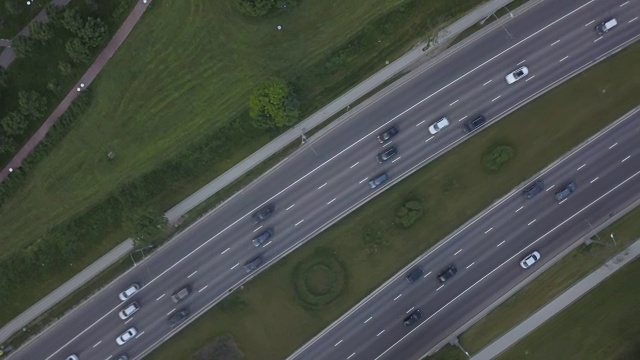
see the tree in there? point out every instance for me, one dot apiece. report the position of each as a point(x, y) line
point(4, 76)
point(14, 124)
point(94, 32)
point(55, 13)
point(32, 104)
point(273, 105)
point(77, 50)
point(145, 224)
point(40, 31)
point(72, 21)
point(22, 45)
point(7, 145)
point(12, 8)
point(255, 8)
point(65, 68)
point(54, 86)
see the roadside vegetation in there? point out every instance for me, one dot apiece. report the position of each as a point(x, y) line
point(172, 117)
point(452, 189)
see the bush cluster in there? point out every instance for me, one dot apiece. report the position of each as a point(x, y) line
point(497, 157)
point(409, 213)
point(316, 293)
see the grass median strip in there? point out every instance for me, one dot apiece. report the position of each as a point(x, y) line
point(452, 189)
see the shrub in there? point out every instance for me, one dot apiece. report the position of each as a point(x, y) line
point(273, 105)
point(374, 240)
point(319, 279)
point(497, 157)
point(255, 8)
point(409, 213)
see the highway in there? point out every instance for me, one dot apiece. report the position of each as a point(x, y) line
point(328, 178)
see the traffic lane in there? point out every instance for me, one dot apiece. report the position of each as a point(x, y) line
point(548, 246)
point(447, 322)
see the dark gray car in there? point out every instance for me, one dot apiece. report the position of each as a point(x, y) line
point(262, 238)
point(415, 274)
point(387, 154)
point(264, 213)
point(413, 318)
point(447, 273)
point(253, 264)
point(475, 123)
point(178, 316)
point(534, 189)
point(388, 134)
point(378, 180)
point(566, 191)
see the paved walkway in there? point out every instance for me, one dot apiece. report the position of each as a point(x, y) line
point(8, 55)
point(237, 171)
point(86, 79)
point(558, 304)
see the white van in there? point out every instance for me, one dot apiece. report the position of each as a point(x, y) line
point(605, 26)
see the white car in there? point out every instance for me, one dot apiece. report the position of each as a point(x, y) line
point(530, 259)
point(126, 336)
point(131, 290)
point(129, 310)
point(438, 125)
point(517, 75)
point(73, 357)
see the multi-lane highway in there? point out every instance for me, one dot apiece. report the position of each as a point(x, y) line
point(328, 178)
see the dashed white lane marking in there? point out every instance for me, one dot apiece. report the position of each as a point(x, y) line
point(534, 220)
point(589, 23)
point(380, 333)
point(470, 265)
point(457, 252)
point(299, 222)
point(530, 77)
point(332, 200)
point(487, 83)
point(204, 287)
point(161, 296)
point(564, 58)
point(171, 312)
point(387, 144)
point(234, 266)
point(429, 273)
point(521, 62)
point(396, 159)
point(350, 356)
point(498, 97)
point(421, 122)
point(634, 19)
point(555, 42)
point(439, 287)
point(550, 187)
point(338, 343)
point(321, 186)
point(109, 358)
point(193, 273)
point(594, 180)
point(258, 228)
point(612, 146)
point(128, 320)
point(428, 139)
point(366, 321)
point(453, 103)
point(562, 201)
point(267, 244)
point(598, 39)
point(142, 333)
point(222, 253)
point(410, 310)
point(520, 208)
point(363, 180)
point(98, 343)
point(502, 242)
point(290, 206)
point(462, 118)
point(397, 297)
point(354, 165)
point(486, 232)
point(624, 3)
point(581, 166)
point(625, 159)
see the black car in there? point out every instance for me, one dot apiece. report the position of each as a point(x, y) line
point(534, 189)
point(253, 264)
point(568, 190)
point(378, 180)
point(388, 134)
point(123, 357)
point(415, 275)
point(447, 273)
point(178, 316)
point(413, 318)
point(475, 123)
point(387, 154)
point(262, 238)
point(264, 213)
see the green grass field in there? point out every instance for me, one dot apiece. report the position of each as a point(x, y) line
point(603, 325)
point(273, 323)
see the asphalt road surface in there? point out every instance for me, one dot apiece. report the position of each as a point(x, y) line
point(329, 178)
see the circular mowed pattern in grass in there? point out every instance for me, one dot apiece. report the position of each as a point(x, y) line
point(319, 279)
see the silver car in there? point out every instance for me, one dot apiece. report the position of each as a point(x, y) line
point(438, 125)
point(530, 260)
point(517, 75)
point(131, 290)
point(126, 336)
